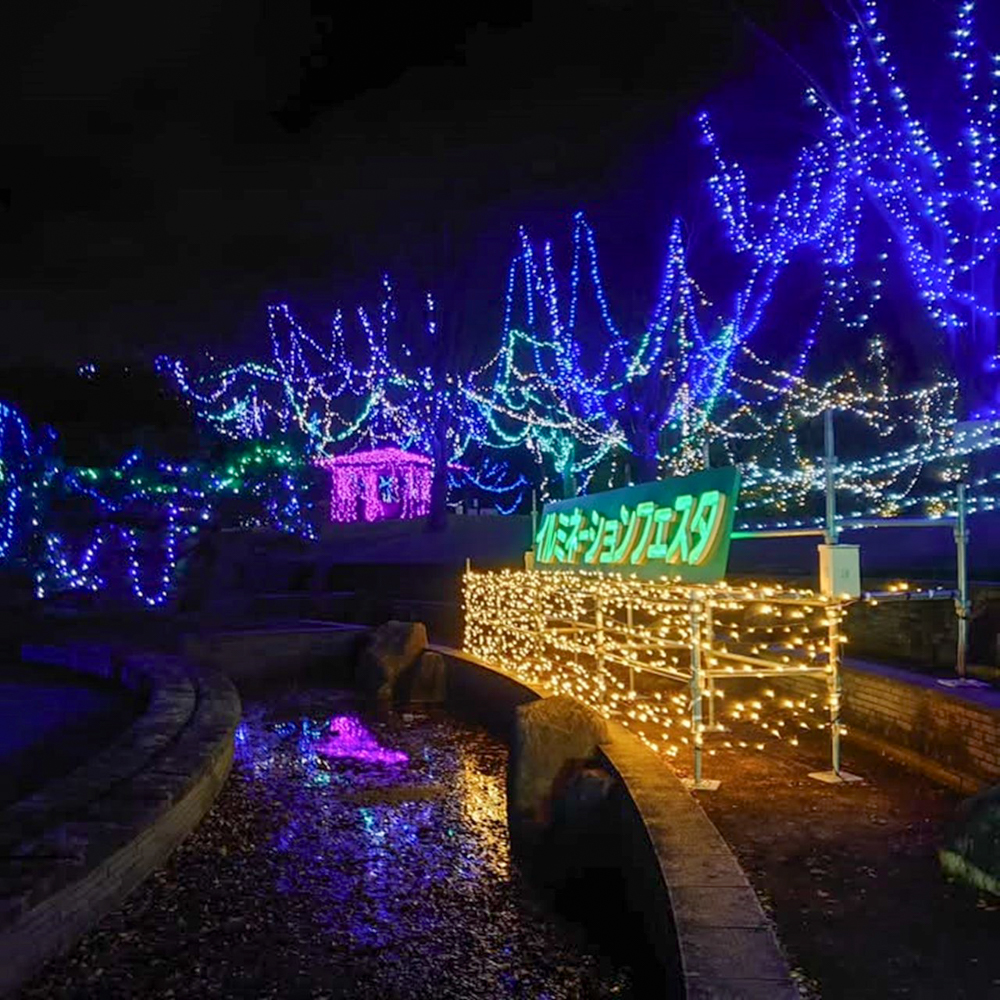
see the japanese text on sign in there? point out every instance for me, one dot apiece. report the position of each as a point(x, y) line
point(679, 526)
point(683, 534)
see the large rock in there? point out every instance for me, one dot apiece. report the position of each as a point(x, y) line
point(424, 682)
point(554, 739)
point(973, 850)
point(393, 648)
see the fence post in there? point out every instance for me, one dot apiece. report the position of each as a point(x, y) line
point(962, 601)
point(709, 645)
point(631, 667)
point(833, 685)
point(835, 776)
point(599, 637)
point(541, 638)
point(696, 682)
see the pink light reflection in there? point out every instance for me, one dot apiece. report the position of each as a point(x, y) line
point(348, 738)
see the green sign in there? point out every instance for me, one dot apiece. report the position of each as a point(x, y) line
point(673, 527)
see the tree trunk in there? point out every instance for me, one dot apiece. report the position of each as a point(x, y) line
point(568, 482)
point(437, 519)
point(645, 465)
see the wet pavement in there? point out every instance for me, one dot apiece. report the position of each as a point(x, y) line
point(347, 856)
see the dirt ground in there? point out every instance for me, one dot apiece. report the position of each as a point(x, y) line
point(850, 876)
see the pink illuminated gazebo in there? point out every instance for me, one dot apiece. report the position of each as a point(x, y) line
point(379, 485)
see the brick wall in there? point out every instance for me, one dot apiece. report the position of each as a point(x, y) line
point(950, 734)
point(957, 730)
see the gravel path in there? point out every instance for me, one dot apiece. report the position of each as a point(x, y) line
point(332, 867)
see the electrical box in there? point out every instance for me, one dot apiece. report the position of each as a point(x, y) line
point(840, 570)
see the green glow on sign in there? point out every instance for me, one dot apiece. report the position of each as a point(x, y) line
point(684, 534)
point(672, 527)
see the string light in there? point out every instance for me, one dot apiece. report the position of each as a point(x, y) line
point(939, 197)
point(413, 401)
point(18, 481)
point(172, 501)
point(582, 393)
point(623, 646)
point(377, 485)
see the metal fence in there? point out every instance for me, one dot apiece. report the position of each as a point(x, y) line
point(657, 654)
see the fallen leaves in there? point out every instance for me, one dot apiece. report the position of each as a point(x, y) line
point(321, 880)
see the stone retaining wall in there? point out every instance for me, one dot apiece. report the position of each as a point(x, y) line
point(279, 652)
point(701, 916)
point(73, 850)
point(925, 633)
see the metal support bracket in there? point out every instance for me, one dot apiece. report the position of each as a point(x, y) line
point(705, 785)
point(835, 777)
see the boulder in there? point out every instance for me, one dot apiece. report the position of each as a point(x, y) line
point(972, 853)
point(424, 682)
point(581, 797)
point(553, 741)
point(393, 648)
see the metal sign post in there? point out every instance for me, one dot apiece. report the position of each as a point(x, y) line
point(962, 599)
point(829, 463)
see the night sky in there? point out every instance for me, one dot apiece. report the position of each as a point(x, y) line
point(169, 169)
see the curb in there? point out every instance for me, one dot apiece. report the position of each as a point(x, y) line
point(699, 905)
point(74, 849)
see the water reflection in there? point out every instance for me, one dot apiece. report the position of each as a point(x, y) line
point(349, 738)
point(391, 833)
point(367, 820)
point(482, 801)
